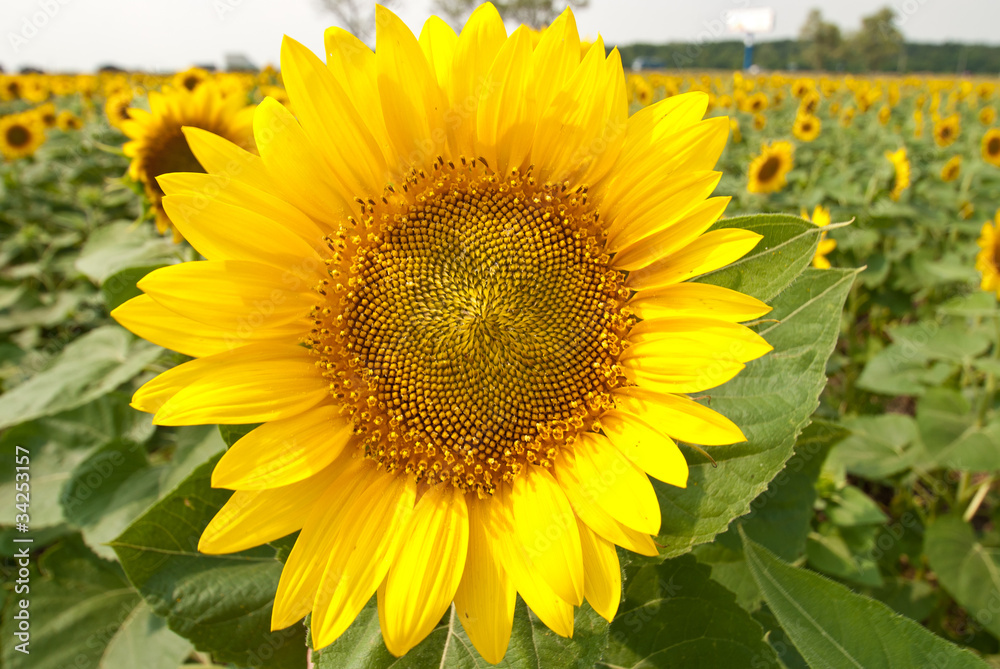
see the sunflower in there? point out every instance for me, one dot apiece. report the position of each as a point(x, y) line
point(987, 115)
point(847, 117)
point(951, 169)
point(918, 124)
point(642, 92)
point(191, 78)
point(821, 217)
point(734, 130)
point(806, 127)
point(902, 166)
point(988, 258)
point(423, 288)
point(810, 103)
point(769, 169)
point(990, 146)
point(159, 146)
point(21, 135)
point(117, 108)
point(759, 122)
point(755, 104)
point(946, 130)
point(47, 114)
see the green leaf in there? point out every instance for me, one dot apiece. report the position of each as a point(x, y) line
point(532, 644)
point(121, 245)
point(121, 287)
point(89, 367)
point(779, 517)
point(966, 569)
point(771, 401)
point(846, 553)
point(835, 628)
point(787, 248)
point(73, 611)
point(674, 615)
point(144, 640)
point(233, 433)
point(222, 604)
point(878, 447)
point(850, 506)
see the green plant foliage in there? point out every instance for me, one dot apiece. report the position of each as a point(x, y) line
point(834, 628)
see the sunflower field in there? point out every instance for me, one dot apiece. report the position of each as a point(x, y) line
point(479, 349)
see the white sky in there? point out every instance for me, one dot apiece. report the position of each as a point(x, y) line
point(79, 35)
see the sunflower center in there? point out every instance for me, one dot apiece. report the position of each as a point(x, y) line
point(993, 146)
point(171, 154)
point(18, 136)
point(479, 326)
point(769, 169)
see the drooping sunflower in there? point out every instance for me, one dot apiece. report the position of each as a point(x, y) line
point(453, 290)
point(821, 217)
point(990, 146)
point(988, 258)
point(769, 170)
point(952, 169)
point(806, 127)
point(21, 135)
point(158, 143)
point(946, 130)
point(901, 164)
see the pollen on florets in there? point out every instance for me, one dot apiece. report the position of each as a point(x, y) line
point(471, 324)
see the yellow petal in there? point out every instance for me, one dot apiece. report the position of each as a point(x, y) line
point(679, 416)
point(254, 517)
point(691, 374)
point(422, 581)
point(711, 251)
point(328, 116)
point(284, 451)
point(221, 157)
point(222, 231)
point(586, 508)
point(678, 230)
point(438, 42)
point(545, 526)
point(477, 46)
point(667, 338)
point(673, 202)
point(555, 612)
point(485, 598)
point(145, 317)
point(295, 168)
point(615, 484)
point(370, 537)
point(655, 453)
point(302, 573)
point(412, 102)
point(253, 384)
point(555, 58)
point(505, 120)
point(604, 576)
point(697, 299)
point(231, 191)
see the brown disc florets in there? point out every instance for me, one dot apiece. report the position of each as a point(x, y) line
point(471, 324)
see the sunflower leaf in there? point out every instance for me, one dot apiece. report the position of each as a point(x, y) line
point(222, 604)
point(787, 248)
point(674, 615)
point(771, 401)
point(833, 627)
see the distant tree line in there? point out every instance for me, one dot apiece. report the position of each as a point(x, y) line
point(877, 46)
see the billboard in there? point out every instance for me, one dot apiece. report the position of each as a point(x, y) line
point(755, 20)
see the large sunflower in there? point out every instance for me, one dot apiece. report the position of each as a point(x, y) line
point(21, 135)
point(159, 146)
point(769, 169)
point(453, 290)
